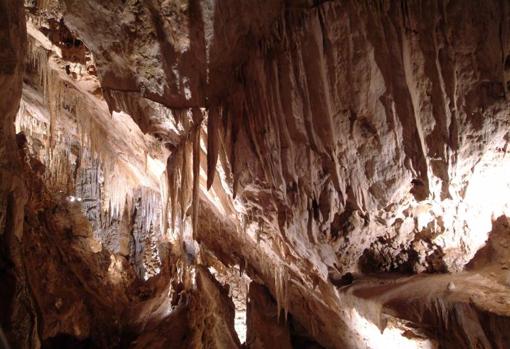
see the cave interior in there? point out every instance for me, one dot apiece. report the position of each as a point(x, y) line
point(255, 174)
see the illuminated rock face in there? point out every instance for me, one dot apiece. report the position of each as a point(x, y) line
point(330, 116)
point(307, 142)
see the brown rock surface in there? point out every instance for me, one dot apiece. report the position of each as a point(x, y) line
point(266, 327)
point(203, 319)
point(15, 304)
point(327, 149)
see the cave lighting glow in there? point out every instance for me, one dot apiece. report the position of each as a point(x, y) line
point(478, 197)
point(488, 194)
point(240, 325)
point(156, 166)
point(391, 337)
point(115, 269)
point(72, 198)
point(486, 197)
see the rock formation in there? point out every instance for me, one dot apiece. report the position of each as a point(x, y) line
point(256, 174)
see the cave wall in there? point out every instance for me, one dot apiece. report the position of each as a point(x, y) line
point(75, 143)
point(345, 119)
point(344, 123)
point(204, 318)
point(305, 140)
point(348, 136)
point(266, 327)
point(15, 304)
point(13, 36)
point(83, 259)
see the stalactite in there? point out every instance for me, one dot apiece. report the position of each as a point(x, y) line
point(196, 134)
point(213, 124)
point(173, 171)
point(196, 179)
point(186, 180)
point(165, 200)
point(53, 97)
point(281, 292)
point(71, 116)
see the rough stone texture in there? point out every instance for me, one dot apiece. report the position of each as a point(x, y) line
point(13, 41)
point(306, 142)
point(405, 118)
point(266, 328)
point(66, 133)
point(70, 282)
point(308, 152)
point(349, 132)
point(86, 185)
point(15, 303)
point(495, 253)
point(203, 319)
